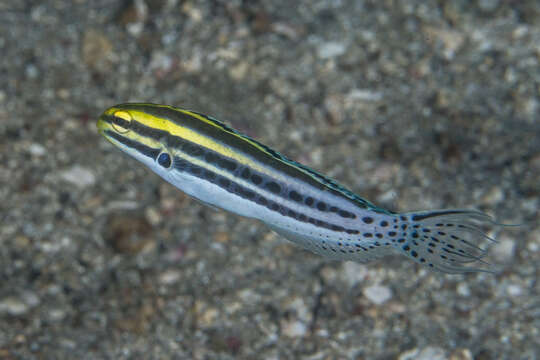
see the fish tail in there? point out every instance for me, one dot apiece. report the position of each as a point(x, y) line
point(445, 240)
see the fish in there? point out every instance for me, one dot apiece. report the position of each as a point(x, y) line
point(225, 169)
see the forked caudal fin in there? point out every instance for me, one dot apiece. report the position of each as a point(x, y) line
point(445, 240)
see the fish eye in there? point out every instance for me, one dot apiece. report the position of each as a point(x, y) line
point(164, 160)
point(120, 121)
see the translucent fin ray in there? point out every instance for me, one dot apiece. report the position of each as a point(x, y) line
point(446, 240)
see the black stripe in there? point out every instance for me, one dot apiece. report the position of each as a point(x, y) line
point(141, 148)
point(242, 143)
point(233, 187)
point(259, 180)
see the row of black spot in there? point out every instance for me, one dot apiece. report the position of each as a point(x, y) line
point(232, 187)
point(275, 188)
point(345, 247)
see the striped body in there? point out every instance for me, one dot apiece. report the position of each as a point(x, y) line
point(223, 168)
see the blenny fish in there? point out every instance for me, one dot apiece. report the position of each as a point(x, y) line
point(223, 168)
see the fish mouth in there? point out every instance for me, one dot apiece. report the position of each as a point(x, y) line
point(104, 127)
point(101, 125)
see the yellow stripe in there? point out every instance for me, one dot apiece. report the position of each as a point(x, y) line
point(124, 114)
point(183, 132)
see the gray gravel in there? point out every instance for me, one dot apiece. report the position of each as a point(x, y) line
point(413, 104)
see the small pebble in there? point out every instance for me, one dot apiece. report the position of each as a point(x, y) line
point(329, 274)
point(56, 315)
point(206, 314)
point(451, 40)
point(428, 353)
point(378, 294)
point(432, 353)
point(494, 196)
point(353, 272)
point(239, 71)
point(463, 290)
point(79, 176)
point(208, 317)
point(30, 298)
point(504, 250)
point(461, 354)
point(287, 30)
point(153, 216)
point(13, 306)
point(170, 277)
point(193, 12)
point(248, 296)
point(334, 107)
point(331, 49)
point(514, 290)
point(294, 329)
point(37, 149)
point(364, 95)
point(134, 16)
point(31, 71)
point(299, 306)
